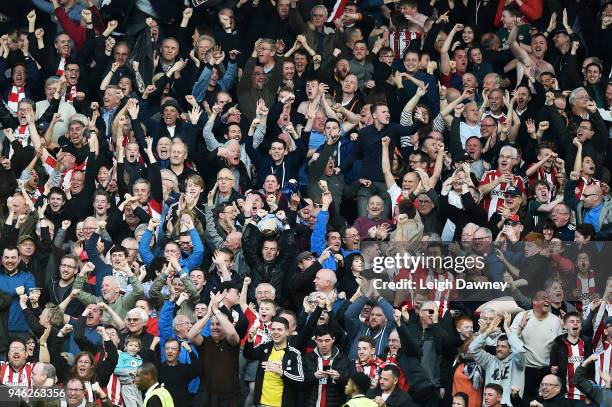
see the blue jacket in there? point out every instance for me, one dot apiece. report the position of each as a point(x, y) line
point(166, 331)
point(355, 328)
point(193, 261)
point(8, 284)
point(227, 82)
point(317, 240)
point(102, 268)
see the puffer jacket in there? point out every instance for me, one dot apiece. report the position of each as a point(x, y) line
point(335, 388)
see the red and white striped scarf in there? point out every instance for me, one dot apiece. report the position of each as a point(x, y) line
point(11, 377)
point(585, 291)
point(17, 93)
point(337, 11)
point(400, 40)
point(22, 134)
point(603, 362)
point(441, 298)
point(61, 67)
point(371, 368)
point(263, 334)
point(71, 94)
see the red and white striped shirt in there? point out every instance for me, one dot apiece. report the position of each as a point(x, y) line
point(495, 198)
point(575, 356)
point(603, 362)
point(12, 377)
point(61, 67)
point(113, 391)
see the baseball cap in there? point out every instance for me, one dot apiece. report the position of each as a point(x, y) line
point(23, 238)
point(513, 191)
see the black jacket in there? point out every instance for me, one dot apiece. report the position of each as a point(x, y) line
point(397, 398)
point(262, 271)
point(335, 388)
point(293, 372)
point(559, 356)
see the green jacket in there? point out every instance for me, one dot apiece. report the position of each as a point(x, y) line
point(121, 305)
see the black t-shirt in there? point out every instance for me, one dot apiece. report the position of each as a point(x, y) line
point(223, 380)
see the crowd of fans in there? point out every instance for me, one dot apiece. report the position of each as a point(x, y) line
point(194, 197)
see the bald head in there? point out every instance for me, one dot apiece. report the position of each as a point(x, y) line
point(325, 280)
point(592, 195)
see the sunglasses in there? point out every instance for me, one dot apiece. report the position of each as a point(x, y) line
point(430, 311)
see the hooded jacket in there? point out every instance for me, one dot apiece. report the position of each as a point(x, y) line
point(313, 362)
point(506, 372)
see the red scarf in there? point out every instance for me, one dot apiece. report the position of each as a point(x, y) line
point(371, 368)
point(61, 67)
point(17, 93)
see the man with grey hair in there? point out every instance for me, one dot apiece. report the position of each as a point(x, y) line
point(43, 375)
point(495, 182)
point(111, 294)
point(319, 37)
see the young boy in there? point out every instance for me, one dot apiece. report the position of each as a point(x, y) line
point(127, 365)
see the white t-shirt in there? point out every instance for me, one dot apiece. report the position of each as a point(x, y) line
point(538, 337)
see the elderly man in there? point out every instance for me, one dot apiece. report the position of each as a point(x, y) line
point(373, 219)
point(318, 36)
point(592, 208)
point(549, 395)
point(43, 375)
point(561, 217)
point(180, 284)
point(495, 182)
point(111, 294)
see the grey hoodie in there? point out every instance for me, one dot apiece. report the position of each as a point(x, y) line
point(506, 372)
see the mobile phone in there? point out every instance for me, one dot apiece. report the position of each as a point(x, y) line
point(325, 368)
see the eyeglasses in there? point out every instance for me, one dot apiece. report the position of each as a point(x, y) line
point(430, 311)
point(225, 179)
point(589, 195)
point(133, 319)
point(16, 349)
point(184, 243)
point(68, 266)
point(548, 385)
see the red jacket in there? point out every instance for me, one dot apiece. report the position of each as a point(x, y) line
point(74, 29)
point(531, 9)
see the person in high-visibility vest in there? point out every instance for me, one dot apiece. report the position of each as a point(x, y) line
point(356, 388)
point(156, 394)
